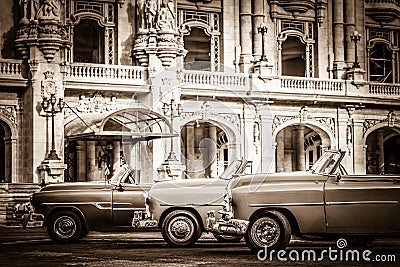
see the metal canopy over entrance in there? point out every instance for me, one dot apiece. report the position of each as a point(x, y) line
point(135, 123)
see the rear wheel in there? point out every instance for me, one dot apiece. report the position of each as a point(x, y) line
point(269, 229)
point(65, 227)
point(181, 228)
point(227, 238)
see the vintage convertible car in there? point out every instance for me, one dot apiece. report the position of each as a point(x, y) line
point(324, 202)
point(71, 210)
point(179, 207)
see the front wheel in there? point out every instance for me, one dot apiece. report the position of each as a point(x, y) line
point(227, 238)
point(65, 227)
point(270, 230)
point(181, 228)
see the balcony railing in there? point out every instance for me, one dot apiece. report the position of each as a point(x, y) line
point(216, 79)
point(311, 85)
point(11, 68)
point(99, 72)
point(384, 89)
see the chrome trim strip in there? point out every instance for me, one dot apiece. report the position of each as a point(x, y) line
point(287, 204)
point(362, 202)
point(191, 205)
point(72, 203)
point(99, 205)
point(133, 209)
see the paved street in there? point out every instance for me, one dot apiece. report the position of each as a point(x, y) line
point(34, 248)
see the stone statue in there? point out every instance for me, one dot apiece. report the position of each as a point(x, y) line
point(166, 16)
point(151, 13)
point(140, 6)
point(29, 9)
point(49, 10)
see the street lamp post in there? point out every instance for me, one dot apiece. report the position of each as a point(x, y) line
point(355, 37)
point(263, 30)
point(52, 106)
point(174, 110)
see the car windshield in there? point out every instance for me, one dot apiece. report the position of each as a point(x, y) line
point(118, 175)
point(231, 170)
point(326, 162)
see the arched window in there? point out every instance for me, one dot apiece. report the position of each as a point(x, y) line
point(293, 57)
point(89, 42)
point(380, 63)
point(296, 48)
point(197, 43)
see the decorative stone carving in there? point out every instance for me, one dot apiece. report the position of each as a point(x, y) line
point(140, 13)
point(29, 10)
point(151, 9)
point(328, 122)
point(157, 33)
point(233, 118)
point(49, 85)
point(96, 104)
point(279, 119)
point(166, 16)
point(43, 29)
point(49, 10)
point(369, 123)
point(9, 112)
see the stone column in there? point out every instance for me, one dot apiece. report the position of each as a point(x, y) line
point(381, 149)
point(81, 161)
point(190, 156)
point(116, 154)
point(300, 155)
point(350, 27)
point(246, 36)
point(257, 19)
point(280, 151)
point(199, 169)
point(267, 155)
point(212, 133)
point(99, 171)
point(338, 39)
point(359, 153)
point(91, 169)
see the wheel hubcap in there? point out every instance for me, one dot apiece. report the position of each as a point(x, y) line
point(266, 232)
point(180, 229)
point(64, 227)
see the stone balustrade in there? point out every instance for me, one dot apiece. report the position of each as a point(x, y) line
point(90, 71)
point(311, 85)
point(219, 79)
point(384, 89)
point(11, 68)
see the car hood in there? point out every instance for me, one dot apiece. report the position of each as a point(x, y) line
point(255, 180)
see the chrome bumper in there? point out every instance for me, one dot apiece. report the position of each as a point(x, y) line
point(28, 218)
point(142, 220)
point(227, 227)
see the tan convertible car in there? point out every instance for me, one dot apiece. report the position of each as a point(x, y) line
point(324, 202)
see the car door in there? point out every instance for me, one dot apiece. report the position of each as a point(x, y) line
point(127, 197)
point(362, 204)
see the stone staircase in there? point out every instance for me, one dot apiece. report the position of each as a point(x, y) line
point(10, 195)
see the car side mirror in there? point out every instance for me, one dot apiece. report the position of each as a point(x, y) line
point(119, 187)
point(338, 177)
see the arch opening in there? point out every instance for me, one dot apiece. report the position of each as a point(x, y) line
point(298, 146)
